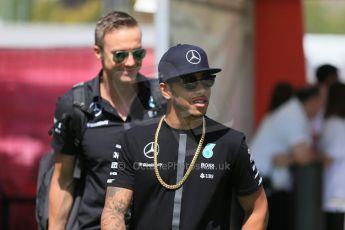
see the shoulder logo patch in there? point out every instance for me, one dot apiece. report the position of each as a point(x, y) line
point(208, 150)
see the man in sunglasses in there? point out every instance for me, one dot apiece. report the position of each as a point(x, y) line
point(116, 99)
point(181, 170)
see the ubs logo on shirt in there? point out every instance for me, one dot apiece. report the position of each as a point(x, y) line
point(208, 150)
point(149, 148)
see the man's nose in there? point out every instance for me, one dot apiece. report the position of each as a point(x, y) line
point(130, 61)
point(200, 86)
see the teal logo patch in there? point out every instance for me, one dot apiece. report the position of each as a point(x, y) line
point(208, 150)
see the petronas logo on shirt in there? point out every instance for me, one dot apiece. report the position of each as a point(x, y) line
point(208, 150)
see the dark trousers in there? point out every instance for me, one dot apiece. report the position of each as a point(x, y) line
point(280, 207)
point(334, 221)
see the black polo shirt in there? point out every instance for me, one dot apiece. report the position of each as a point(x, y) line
point(97, 146)
point(204, 201)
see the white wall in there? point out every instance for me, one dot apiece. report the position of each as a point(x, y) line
point(321, 49)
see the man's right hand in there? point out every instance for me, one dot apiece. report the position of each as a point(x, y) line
point(61, 190)
point(117, 202)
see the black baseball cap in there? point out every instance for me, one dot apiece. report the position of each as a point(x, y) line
point(183, 59)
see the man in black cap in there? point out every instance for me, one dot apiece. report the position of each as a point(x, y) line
point(180, 171)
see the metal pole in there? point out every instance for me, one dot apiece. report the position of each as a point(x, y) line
point(109, 5)
point(162, 28)
point(307, 213)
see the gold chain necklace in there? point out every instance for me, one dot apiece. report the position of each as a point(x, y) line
point(191, 166)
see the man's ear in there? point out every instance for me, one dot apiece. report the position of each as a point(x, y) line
point(98, 52)
point(165, 90)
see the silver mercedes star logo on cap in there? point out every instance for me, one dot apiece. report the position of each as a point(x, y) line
point(193, 57)
point(148, 150)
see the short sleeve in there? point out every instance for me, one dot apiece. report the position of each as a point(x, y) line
point(245, 174)
point(121, 168)
point(296, 130)
point(62, 131)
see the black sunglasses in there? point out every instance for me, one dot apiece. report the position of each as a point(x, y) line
point(121, 55)
point(191, 82)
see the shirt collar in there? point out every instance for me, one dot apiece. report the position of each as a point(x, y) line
point(93, 86)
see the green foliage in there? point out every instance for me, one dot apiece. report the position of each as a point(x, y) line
point(55, 11)
point(324, 16)
point(15, 10)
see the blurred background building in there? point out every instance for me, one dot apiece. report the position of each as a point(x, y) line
point(46, 47)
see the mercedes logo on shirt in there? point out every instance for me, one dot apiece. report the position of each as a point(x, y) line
point(193, 57)
point(96, 109)
point(148, 150)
